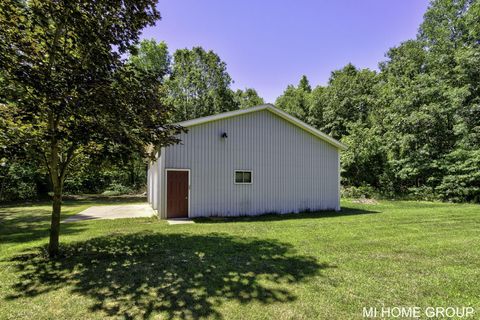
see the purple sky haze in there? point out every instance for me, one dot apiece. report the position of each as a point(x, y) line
point(269, 44)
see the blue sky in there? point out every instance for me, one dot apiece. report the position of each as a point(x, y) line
point(269, 44)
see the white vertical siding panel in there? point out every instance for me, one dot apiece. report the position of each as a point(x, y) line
point(154, 180)
point(292, 170)
point(149, 183)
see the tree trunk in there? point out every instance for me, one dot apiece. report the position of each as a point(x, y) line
point(57, 182)
point(53, 246)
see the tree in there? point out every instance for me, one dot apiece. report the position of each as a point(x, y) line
point(296, 100)
point(304, 84)
point(417, 116)
point(414, 127)
point(69, 87)
point(363, 162)
point(431, 95)
point(248, 98)
point(199, 85)
point(461, 181)
point(450, 33)
point(348, 98)
point(152, 57)
point(318, 104)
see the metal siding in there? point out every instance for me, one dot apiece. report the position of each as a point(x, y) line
point(292, 170)
point(161, 185)
point(149, 184)
point(154, 184)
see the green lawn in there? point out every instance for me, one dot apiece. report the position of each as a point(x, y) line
point(305, 266)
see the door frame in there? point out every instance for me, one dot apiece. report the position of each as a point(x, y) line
point(166, 189)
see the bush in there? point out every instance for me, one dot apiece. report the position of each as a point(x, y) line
point(117, 189)
point(364, 191)
point(422, 193)
point(18, 182)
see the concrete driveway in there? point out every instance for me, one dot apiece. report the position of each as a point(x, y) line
point(113, 212)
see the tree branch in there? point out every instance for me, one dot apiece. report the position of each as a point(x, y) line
point(64, 165)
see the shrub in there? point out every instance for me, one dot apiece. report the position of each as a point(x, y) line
point(364, 191)
point(18, 182)
point(117, 189)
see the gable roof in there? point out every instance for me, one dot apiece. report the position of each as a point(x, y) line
point(272, 109)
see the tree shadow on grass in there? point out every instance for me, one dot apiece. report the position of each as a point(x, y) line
point(179, 276)
point(346, 211)
point(28, 223)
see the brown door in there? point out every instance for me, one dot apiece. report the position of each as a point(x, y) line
point(177, 194)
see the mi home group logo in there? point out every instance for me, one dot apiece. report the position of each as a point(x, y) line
point(418, 312)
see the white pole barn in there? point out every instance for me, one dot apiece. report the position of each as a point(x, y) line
point(246, 162)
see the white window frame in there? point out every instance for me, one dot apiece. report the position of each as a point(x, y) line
point(242, 170)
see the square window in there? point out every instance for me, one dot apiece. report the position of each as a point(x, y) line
point(243, 177)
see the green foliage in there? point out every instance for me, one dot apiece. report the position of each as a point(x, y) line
point(18, 181)
point(356, 192)
point(304, 84)
point(152, 57)
point(63, 72)
point(413, 129)
point(116, 189)
point(317, 107)
point(364, 161)
point(95, 177)
point(248, 98)
point(296, 100)
point(348, 98)
point(462, 179)
point(430, 96)
point(199, 85)
point(70, 88)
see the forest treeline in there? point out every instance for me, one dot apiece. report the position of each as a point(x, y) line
point(412, 127)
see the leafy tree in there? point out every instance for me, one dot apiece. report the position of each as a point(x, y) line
point(431, 97)
point(248, 98)
point(71, 91)
point(363, 163)
point(417, 116)
point(462, 179)
point(199, 85)
point(317, 104)
point(151, 56)
point(450, 33)
point(296, 100)
point(414, 126)
point(348, 98)
point(305, 84)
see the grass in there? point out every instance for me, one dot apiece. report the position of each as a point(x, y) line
point(304, 266)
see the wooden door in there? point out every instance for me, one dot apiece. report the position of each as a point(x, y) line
point(177, 194)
